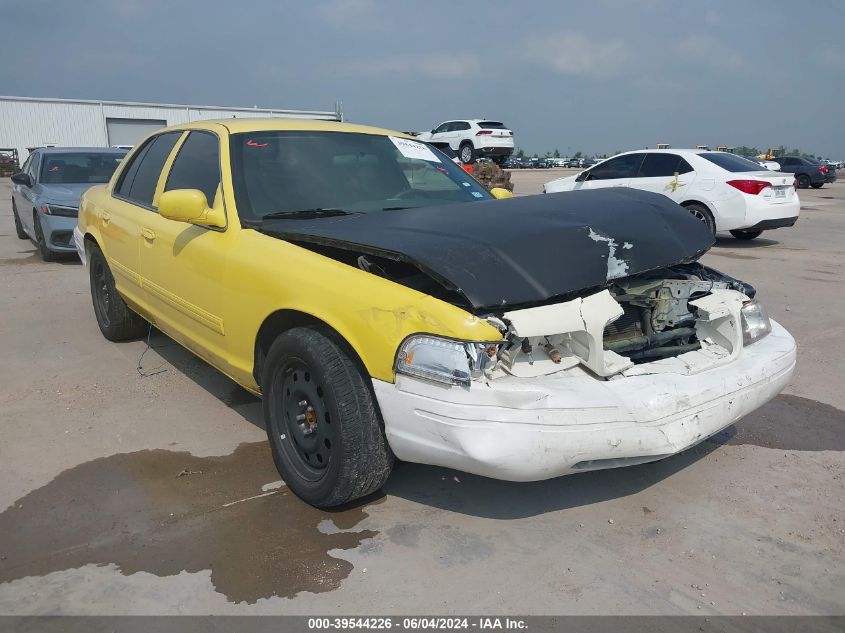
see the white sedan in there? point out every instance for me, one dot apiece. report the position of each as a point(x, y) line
point(725, 191)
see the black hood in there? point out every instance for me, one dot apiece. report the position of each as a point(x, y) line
point(523, 250)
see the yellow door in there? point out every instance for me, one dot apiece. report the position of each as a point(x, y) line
point(120, 224)
point(181, 263)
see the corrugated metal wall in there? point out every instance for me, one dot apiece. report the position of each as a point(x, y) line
point(27, 122)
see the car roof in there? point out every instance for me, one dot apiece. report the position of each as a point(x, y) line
point(76, 150)
point(272, 124)
point(671, 150)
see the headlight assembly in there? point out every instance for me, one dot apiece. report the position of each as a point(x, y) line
point(755, 322)
point(444, 360)
point(55, 209)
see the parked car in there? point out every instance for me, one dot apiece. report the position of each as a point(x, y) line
point(573, 162)
point(723, 190)
point(808, 172)
point(417, 316)
point(473, 138)
point(588, 162)
point(771, 165)
point(45, 193)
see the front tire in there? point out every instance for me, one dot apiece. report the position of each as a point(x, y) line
point(116, 320)
point(322, 422)
point(803, 181)
point(700, 212)
point(40, 241)
point(466, 153)
point(18, 225)
point(746, 235)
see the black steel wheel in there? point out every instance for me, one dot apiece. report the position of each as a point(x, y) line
point(307, 421)
point(322, 422)
point(117, 322)
point(803, 181)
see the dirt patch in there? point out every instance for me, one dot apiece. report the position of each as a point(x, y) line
point(164, 512)
point(791, 423)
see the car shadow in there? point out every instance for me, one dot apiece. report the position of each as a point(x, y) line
point(477, 496)
point(226, 390)
point(724, 241)
point(436, 486)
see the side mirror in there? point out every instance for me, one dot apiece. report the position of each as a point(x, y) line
point(434, 131)
point(22, 178)
point(191, 206)
point(500, 193)
point(582, 176)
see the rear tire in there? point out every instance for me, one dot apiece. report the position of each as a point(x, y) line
point(803, 181)
point(746, 235)
point(40, 241)
point(700, 212)
point(466, 152)
point(116, 320)
point(817, 185)
point(322, 422)
point(18, 226)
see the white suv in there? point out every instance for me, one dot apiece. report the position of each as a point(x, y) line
point(474, 138)
point(725, 191)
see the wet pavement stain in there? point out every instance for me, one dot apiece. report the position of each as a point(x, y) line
point(163, 512)
point(790, 423)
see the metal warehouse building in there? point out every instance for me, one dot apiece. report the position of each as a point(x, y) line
point(27, 122)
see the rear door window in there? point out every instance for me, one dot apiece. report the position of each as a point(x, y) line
point(620, 167)
point(138, 182)
point(197, 165)
point(658, 165)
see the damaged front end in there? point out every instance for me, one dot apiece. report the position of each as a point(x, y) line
point(682, 319)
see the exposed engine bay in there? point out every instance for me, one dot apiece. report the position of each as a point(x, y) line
point(657, 320)
point(637, 320)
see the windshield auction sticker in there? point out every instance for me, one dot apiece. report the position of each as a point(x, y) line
point(414, 149)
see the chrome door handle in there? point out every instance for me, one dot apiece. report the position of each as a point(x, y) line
point(148, 234)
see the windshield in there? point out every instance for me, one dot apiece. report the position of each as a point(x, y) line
point(731, 162)
point(311, 172)
point(83, 167)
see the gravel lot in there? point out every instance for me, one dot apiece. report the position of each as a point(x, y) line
point(130, 493)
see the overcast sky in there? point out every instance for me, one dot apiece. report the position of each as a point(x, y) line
point(595, 76)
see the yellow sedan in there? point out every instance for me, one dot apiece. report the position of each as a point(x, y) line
point(382, 303)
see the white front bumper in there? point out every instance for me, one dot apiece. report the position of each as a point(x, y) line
point(527, 430)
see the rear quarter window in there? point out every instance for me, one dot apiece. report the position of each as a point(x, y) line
point(731, 162)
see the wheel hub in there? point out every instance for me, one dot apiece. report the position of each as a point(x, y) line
point(306, 433)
